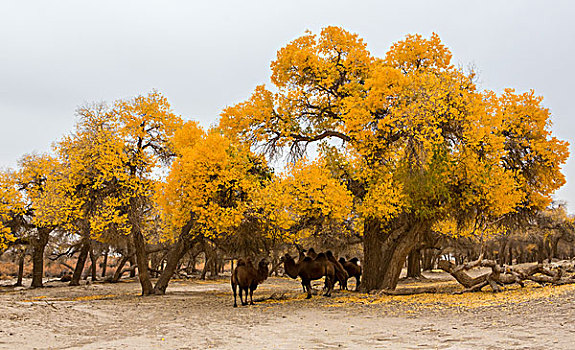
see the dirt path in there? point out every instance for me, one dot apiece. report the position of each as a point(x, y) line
point(198, 315)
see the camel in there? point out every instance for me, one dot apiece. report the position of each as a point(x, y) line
point(340, 273)
point(353, 270)
point(309, 269)
point(245, 276)
point(293, 272)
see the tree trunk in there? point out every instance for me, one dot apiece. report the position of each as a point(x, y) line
point(414, 264)
point(510, 253)
point(142, 260)
point(21, 258)
point(553, 248)
point(190, 267)
point(39, 245)
point(502, 248)
point(427, 260)
point(207, 261)
point(118, 272)
point(132, 264)
point(84, 250)
point(94, 260)
point(176, 253)
point(385, 254)
point(105, 263)
point(461, 275)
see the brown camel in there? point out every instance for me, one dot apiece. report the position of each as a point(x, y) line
point(341, 275)
point(309, 270)
point(245, 276)
point(353, 270)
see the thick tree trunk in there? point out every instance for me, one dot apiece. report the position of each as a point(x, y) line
point(414, 264)
point(38, 247)
point(385, 254)
point(142, 261)
point(37, 265)
point(84, 250)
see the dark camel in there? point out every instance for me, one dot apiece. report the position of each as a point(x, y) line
point(245, 276)
point(309, 270)
point(341, 275)
point(353, 270)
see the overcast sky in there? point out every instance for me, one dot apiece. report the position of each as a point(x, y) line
point(204, 56)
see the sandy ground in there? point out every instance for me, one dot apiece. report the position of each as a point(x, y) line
point(199, 314)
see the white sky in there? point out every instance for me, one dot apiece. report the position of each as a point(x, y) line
point(57, 55)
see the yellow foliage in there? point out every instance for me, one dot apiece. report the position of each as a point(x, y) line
point(419, 135)
point(209, 184)
point(306, 191)
point(11, 205)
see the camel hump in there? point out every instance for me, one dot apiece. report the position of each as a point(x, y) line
point(321, 256)
point(342, 260)
point(307, 258)
point(355, 261)
point(241, 262)
point(329, 254)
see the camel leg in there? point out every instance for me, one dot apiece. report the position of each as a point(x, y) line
point(330, 283)
point(246, 296)
point(357, 282)
point(234, 287)
point(251, 296)
point(241, 293)
point(303, 286)
point(308, 286)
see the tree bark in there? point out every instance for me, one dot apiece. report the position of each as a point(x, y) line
point(94, 260)
point(414, 264)
point(21, 258)
point(176, 253)
point(105, 263)
point(77, 275)
point(461, 275)
point(118, 272)
point(385, 253)
point(38, 247)
point(502, 249)
point(427, 259)
point(142, 260)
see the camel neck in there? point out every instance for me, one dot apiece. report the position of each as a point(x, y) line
point(291, 268)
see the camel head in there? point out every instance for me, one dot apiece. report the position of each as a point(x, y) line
point(263, 262)
point(286, 257)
